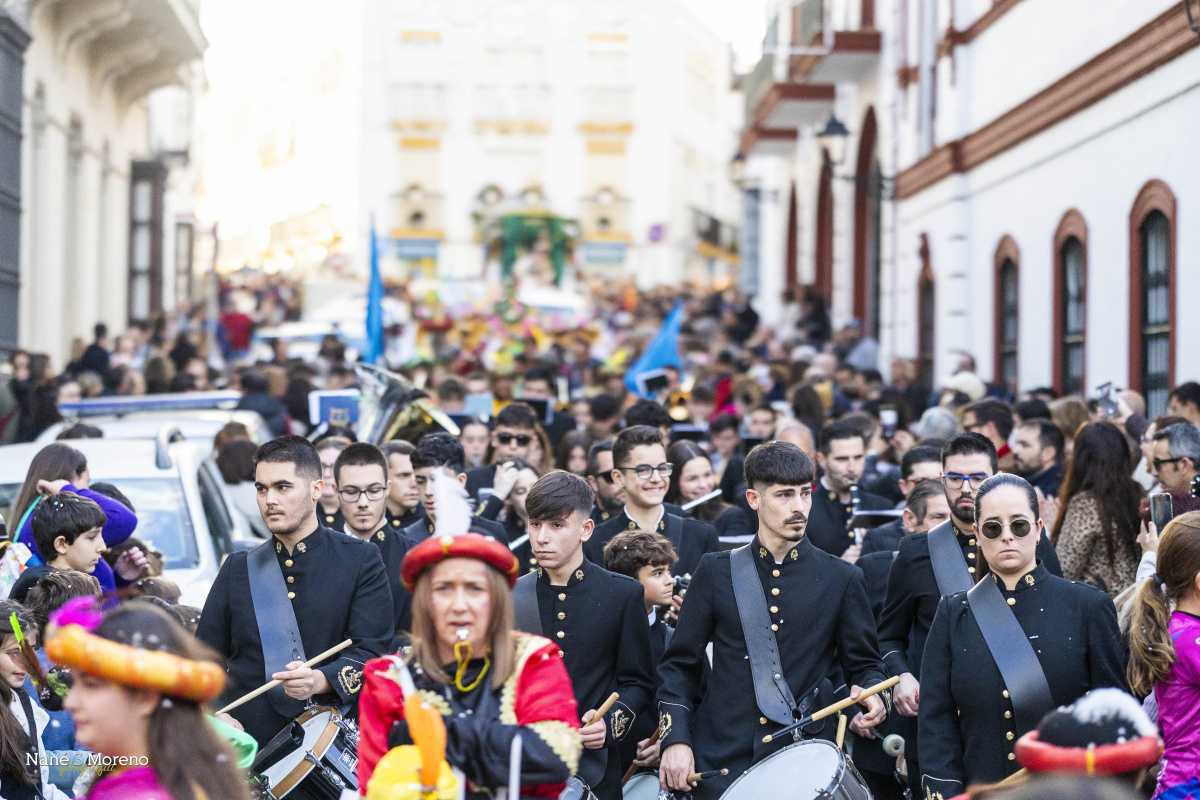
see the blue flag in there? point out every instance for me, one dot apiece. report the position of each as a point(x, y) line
point(375, 346)
point(663, 350)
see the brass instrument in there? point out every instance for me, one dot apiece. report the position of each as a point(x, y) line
point(392, 408)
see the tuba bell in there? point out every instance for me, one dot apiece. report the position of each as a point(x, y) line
point(392, 408)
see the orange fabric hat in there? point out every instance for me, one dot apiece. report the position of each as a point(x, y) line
point(436, 549)
point(1106, 759)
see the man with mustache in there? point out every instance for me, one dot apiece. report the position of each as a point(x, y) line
point(812, 604)
point(842, 452)
point(913, 594)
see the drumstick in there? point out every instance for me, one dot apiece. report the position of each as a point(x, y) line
point(602, 710)
point(1020, 776)
point(696, 777)
point(266, 687)
point(841, 732)
point(834, 708)
point(654, 737)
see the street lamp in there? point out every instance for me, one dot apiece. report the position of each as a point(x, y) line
point(833, 138)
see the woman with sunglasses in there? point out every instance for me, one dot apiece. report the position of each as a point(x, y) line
point(968, 722)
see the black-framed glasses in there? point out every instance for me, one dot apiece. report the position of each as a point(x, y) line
point(1158, 462)
point(373, 492)
point(955, 480)
point(522, 439)
point(644, 471)
point(994, 528)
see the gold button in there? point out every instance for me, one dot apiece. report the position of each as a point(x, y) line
point(775, 591)
point(971, 570)
point(1010, 736)
point(971, 542)
point(774, 627)
point(774, 573)
point(1008, 715)
point(1012, 601)
point(774, 609)
point(562, 615)
point(560, 635)
point(971, 556)
point(562, 596)
point(762, 720)
point(291, 595)
point(287, 563)
point(291, 578)
point(1012, 756)
point(1004, 694)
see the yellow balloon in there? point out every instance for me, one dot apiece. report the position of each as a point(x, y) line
point(397, 777)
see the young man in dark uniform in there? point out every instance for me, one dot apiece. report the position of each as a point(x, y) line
point(334, 584)
point(441, 451)
point(912, 591)
point(841, 454)
point(920, 463)
point(363, 488)
point(329, 511)
point(598, 619)
point(640, 467)
point(610, 498)
point(818, 615)
point(404, 498)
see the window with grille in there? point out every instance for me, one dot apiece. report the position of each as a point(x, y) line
point(1156, 312)
point(1009, 327)
point(1072, 262)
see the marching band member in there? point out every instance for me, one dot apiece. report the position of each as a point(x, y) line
point(490, 683)
point(814, 606)
point(1001, 655)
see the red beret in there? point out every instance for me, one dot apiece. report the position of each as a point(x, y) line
point(436, 549)
point(1106, 759)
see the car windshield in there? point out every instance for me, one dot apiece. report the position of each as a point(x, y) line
point(161, 508)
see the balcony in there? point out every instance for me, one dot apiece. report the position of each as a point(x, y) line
point(845, 44)
point(761, 141)
point(777, 104)
point(134, 46)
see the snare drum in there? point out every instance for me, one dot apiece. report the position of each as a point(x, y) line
point(313, 758)
point(642, 786)
point(576, 789)
point(805, 771)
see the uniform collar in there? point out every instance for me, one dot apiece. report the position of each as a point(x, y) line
point(798, 550)
point(1027, 582)
point(633, 526)
point(308, 545)
point(577, 577)
point(379, 535)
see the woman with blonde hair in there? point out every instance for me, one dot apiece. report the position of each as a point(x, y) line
point(1164, 653)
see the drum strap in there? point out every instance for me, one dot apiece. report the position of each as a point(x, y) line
point(949, 566)
point(526, 613)
point(771, 691)
point(1013, 654)
point(277, 626)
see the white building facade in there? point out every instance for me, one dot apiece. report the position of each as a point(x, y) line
point(1016, 184)
point(618, 115)
point(104, 222)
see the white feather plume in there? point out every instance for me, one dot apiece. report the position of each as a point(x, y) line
point(450, 504)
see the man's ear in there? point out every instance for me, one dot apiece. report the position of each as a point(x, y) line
point(315, 489)
point(589, 527)
point(618, 478)
point(908, 520)
point(820, 460)
point(753, 499)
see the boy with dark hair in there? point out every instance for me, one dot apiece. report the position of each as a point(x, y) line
point(994, 419)
point(67, 531)
point(441, 452)
point(652, 413)
point(512, 435)
point(841, 455)
point(606, 415)
point(292, 597)
point(361, 472)
point(813, 605)
point(641, 469)
point(328, 507)
point(598, 618)
point(403, 500)
point(920, 463)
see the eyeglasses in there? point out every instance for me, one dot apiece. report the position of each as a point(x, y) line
point(351, 493)
point(1158, 462)
point(603, 476)
point(955, 480)
point(993, 528)
point(522, 439)
point(644, 471)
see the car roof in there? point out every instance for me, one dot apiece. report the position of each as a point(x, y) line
point(197, 425)
point(107, 459)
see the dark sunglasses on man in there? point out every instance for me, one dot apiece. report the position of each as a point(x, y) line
point(522, 439)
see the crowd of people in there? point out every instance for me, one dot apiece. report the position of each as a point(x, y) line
point(767, 528)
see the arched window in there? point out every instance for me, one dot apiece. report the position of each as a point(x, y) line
point(1152, 295)
point(1008, 314)
point(1070, 304)
point(926, 316)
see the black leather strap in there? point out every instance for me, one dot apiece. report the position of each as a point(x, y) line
point(526, 613)
point(34, 748)
point(771, 691)
point(277, 627)
point(1013, 654)
point(949, 566)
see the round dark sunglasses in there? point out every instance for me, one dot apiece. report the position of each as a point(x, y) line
point(994, 528)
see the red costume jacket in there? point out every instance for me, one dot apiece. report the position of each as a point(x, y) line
point(536, 703)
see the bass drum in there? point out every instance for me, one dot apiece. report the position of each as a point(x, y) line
point(313, 758)
point(643, 786)
point(804, 771)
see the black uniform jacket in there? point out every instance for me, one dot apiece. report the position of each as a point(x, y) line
point(337, 586)
point(401, 521)
point(912, 597)
point(332, 520)
point(599, 621)
point(697, 539)
point(421, 530)
point(480, 478)
point(875, 568)
point(966, 728)
point(885, 538)
point(828, 517)
point(393, 547)
point(735, 526)
point(825, 631)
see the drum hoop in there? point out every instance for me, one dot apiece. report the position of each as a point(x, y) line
point(324, 741)
point(837, 778)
